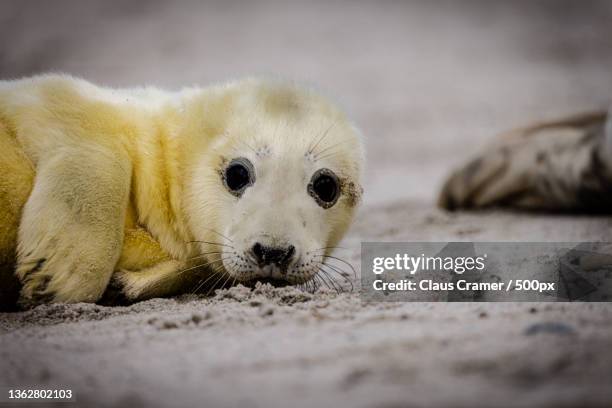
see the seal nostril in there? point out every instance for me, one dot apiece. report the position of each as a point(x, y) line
point(288, 255)
point(258, 251)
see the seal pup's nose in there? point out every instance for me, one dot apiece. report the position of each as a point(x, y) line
point(267, 255)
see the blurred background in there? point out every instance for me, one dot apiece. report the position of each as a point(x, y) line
point(427, 82)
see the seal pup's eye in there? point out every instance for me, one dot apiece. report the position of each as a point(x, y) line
point(238, 175)
point(324, 187)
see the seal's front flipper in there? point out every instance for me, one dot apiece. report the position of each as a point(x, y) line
point(166, 278)
point(71, 230)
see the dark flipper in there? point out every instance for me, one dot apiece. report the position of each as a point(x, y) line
point(562, 166)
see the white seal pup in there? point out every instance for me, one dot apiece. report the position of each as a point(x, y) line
point(152, 191)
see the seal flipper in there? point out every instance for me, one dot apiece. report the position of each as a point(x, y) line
point(561, 166)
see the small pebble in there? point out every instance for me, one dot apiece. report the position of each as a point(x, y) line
point(550, 328)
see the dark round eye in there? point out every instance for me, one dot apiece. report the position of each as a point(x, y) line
point(324, 187)
point(238, 175)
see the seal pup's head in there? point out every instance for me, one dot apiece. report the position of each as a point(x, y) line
point(276, 186)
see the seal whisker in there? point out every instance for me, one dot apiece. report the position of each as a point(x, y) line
point(232, 269)
point(214, 285)
point(227, 280)
point(316, 157)
point(303, 286)
point(203, 265)
point(342, 273)
point(316, 284)
point(216, 272)
point(332, 279)
point(327, 156)
point(317, 278)
point(331, 282)
point(323, 136)
point(209, 242)
point(329, 247)
point(333, 270)
point(203, 281)
point(222, 285)
point(322, 282)
point(351, 284)
point(337, 286)
point(308, 286)
point(204, 254)
point(341, 260)
point(338, 270)
point(218, 233)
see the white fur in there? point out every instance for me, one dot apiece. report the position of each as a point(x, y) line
point(127, 179)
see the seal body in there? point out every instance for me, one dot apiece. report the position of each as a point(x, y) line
point(136, 187)
point(565, 165)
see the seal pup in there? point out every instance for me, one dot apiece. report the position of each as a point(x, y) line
point(155, 192)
